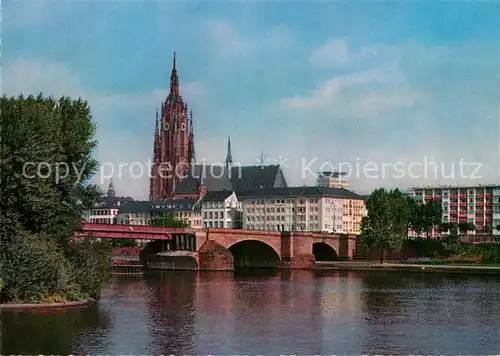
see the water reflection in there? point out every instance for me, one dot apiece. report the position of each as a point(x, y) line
point(52, 331)
point(271, 312)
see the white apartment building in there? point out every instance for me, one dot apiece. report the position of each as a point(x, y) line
point(221, 209)
point(478, 204)
point(332, 180)
point(303, 209)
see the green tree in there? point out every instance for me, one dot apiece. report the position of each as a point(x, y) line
point(168, 219)
point(45, 164)
point(384, 228)
point(487, 229)
point(431, 215)
point(416, 216)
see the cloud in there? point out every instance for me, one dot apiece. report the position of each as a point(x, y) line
point(365, 95)
point(125, 121)
point(333, 52)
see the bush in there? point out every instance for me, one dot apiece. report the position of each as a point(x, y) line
point(32, 268)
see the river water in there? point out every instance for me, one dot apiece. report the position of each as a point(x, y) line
point(271, 313)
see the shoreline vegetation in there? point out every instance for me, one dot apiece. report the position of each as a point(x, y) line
point(46, 161)
point(45, 306)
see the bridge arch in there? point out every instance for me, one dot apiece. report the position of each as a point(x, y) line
point(324, 252)
point(254, 254)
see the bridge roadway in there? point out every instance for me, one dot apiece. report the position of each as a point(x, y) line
point(225, 249)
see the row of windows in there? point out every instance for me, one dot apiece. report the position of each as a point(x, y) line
point(103, 221)
point(218, 205)
point(213, 215)
point(102, 212)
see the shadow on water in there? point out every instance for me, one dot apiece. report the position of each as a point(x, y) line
point(50, 331)
point(256, 272)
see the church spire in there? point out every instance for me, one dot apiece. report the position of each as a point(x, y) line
point(174, 79)
point(111, 189)
point(191, 152)
point(229, 158)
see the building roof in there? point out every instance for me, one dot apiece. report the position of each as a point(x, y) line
point(465, 186)
point(161, 206)
point(109, 202)
point(307, 191)
point(238, 178)
point(328, 174)
point(217, 195)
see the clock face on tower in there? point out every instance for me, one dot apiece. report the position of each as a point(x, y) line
point(166, 126)
point(183, 127)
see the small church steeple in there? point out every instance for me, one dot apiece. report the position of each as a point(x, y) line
point(229, 158)
point(111, 189)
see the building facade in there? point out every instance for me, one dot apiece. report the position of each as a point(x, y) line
point(105, 210)
point(303, 209)
point(479, 205)
point(143, 212)
point(221, 209)
point(332, 180)
point(173, 149)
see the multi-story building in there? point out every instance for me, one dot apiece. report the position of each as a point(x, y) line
point(479, 204)
point(303, 209)
point(332, 180)
point(221, 209)
point(105, 209)
point(142, 212)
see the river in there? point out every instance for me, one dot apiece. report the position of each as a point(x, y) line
point(271, 313)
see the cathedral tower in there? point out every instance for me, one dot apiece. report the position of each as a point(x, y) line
point(173, 143)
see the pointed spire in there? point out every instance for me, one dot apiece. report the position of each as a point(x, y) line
point(111, 189)
point(174, 79)
point(262, 161)
point(191, 151)
point(229, 158)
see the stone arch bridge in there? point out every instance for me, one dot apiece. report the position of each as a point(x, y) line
point(227, 249)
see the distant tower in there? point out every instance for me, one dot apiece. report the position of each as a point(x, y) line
point(171, 142)
point(229, 157)
point(191, 151)
point(111, 189)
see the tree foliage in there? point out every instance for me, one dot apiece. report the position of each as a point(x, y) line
point(390, 216)
point(168, 220)
point(385, 226)
point(46, 161)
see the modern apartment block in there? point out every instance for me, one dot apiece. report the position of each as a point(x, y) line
point(332, 180)
point(478, 204)
point(303, 209)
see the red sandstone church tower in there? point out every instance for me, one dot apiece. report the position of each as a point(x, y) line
point(173, 143)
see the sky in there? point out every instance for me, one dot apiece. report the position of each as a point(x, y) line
point(380, 90)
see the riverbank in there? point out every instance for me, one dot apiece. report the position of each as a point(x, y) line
point(407, 267)
point(44, 306)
